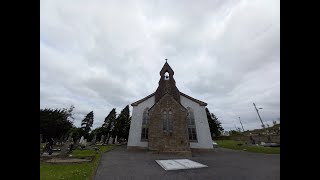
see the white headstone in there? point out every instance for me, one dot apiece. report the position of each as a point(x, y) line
point(81, 140)
point(110, 140)
point(94, 139)
point(102, 139)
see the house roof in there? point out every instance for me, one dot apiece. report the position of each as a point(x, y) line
point(201, 103)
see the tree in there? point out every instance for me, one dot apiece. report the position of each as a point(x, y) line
point(76, 133)
point(214, 124)
point(97, 131)
point(234, 132)
point(109, 123)
point(70, 113)
point(122, 125)
point(54, 123)
point(87, 123)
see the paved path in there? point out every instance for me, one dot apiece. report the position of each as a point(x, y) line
point(222, 164)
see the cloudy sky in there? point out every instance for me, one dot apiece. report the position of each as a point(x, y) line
point(100, 54)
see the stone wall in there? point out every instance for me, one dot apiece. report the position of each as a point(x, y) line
point(168, 141)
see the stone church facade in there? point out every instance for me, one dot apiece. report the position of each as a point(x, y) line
point(169, 120)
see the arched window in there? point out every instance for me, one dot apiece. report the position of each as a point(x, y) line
point(166, 76)
point(164, 121)
point(191, 125)
point(167, 121)
point(145, 117)
point(145, 121)
point(170, 121)
point(190, 117)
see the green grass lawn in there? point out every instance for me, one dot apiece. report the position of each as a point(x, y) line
point(230, 144)
point(74, 171)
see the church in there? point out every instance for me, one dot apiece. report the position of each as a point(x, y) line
point(169, 120)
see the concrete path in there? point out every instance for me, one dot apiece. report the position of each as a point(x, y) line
point(222, 164)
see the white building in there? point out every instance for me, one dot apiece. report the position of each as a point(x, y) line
point(169, 120)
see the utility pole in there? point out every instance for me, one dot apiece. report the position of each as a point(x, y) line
point(241, 124)
point(258, 115)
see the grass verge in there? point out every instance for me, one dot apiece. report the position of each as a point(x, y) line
point(74, 171)
point(231, 144)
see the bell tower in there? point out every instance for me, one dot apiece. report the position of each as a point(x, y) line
point(167, 84)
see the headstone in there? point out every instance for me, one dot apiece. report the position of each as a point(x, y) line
point(252, 140)
point(110, 140)
point(102, 139)
point(94, 139)
point(40, 138)
point(116, 140)
point(66, 148)
point(70, 137)
point(269, 139)
point(81, 140)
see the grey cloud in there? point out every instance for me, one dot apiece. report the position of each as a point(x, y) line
point(103, 54)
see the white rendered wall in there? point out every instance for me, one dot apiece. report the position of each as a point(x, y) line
point(201, 121)
point(136, 123)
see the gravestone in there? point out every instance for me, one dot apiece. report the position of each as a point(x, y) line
point(65, 148)
point(252, 140)
point(110, 140)
point(269, 139)
point(68, 146)
point(81, 140)
point(116, 140)
point(70, 137)
point(102, 139)
point(94, 139)
point(40, 138)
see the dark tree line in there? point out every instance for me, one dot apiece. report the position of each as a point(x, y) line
point(115, 126)
point(214, 124)
point(55, 123)
point(58, 124)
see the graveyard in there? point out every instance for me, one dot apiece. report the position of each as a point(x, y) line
point(78, 164)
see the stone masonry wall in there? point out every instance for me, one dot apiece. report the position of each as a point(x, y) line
point(165, 141)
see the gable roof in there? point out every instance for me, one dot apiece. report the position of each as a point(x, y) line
point(167, 94)
point(143, 99)
point(201, 103)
